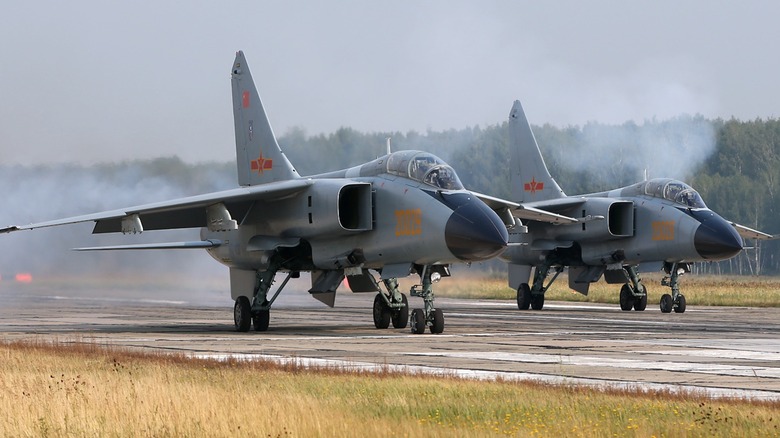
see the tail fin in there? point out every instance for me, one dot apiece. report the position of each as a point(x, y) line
point(531, 181)
point(258, 156)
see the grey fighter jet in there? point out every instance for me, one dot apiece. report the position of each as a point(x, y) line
point(656, 223)
point(403, 213)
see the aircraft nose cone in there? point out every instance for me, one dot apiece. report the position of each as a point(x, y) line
point(474, 232)
point(715, 239)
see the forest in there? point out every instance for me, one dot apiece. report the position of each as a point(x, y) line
point(734, 164)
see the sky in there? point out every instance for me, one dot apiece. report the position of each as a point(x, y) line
point(96, 81)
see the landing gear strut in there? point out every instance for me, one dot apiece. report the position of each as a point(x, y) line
point(675, 301)
point(533, 296)
point(429, 316)
point(633, 293)
point(259, 312)
point(392, 306)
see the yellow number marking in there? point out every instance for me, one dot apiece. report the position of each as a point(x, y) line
point(663, 230)
point(408, 222)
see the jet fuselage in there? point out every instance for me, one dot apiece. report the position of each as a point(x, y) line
point(377, 214)
point(632, 225)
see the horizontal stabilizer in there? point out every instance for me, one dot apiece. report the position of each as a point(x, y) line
point(166, 245)
point(745, 232)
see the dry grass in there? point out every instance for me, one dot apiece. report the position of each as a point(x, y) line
point(698, 290)
point(58, 390)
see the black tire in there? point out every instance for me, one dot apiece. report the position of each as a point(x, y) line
point(418, 321)
point(438, 321)
point(537, 301)
point(666, 303)
point(679, 307)
point(381, 313)
point(401, 316)
point(523, 296)
point(242, 314)
point(626, 298)
point(640, 304)
point(261, 320)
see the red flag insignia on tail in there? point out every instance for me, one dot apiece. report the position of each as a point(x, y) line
point(533, 186)
point(245, 99)
point(261, 164)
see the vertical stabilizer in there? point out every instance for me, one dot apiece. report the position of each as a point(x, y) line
point(531, 181)
point(258, 156)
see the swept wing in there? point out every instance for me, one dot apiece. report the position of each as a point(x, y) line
point(749, 233)
point(531, 211)
point(190, 212)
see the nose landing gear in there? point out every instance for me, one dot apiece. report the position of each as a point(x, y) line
point(675, 301)
point(429, 316)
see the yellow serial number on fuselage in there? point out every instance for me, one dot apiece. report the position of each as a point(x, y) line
point(663, 230)
point(408, 222)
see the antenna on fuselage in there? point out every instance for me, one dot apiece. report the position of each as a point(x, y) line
point(388, 145)
point(645, 174)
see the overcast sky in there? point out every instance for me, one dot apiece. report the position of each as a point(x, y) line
point(91, 81)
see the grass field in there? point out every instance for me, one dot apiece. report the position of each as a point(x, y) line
point(86, 390)
point(698, 290)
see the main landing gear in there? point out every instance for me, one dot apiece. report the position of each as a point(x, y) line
point(394, 307)
point(533, 296)
point(258, 313)
point(391, 306)
point(633, 294)
point(675, 301)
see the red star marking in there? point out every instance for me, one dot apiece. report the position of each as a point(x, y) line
point(533, 186)
point(261, 164)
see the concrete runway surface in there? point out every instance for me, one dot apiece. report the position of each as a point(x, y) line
point(718, 351)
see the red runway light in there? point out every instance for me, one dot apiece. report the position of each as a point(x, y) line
point(24, 278)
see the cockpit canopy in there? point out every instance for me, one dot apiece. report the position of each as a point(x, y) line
point(674, 191)
point(424, 167)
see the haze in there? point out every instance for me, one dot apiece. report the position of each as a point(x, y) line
point(92, 81)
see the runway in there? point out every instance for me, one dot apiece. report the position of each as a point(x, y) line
point(720, 351)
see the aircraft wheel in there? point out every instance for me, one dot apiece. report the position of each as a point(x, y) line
point(242, 314)
point(680, 306)
point(438, 321)
point(640, 304)
point(261, 320)
point(537, 301)
point(626, 298)
point(523, 296)
point(666, 303)
point(418, 321)
point(401, 316)
point(381, 313)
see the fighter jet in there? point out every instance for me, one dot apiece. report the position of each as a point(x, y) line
point(405, 212)
point(656, 223)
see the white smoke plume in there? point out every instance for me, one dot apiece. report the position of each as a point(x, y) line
point(618, 155)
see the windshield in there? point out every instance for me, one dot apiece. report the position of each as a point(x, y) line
point(424, 167)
